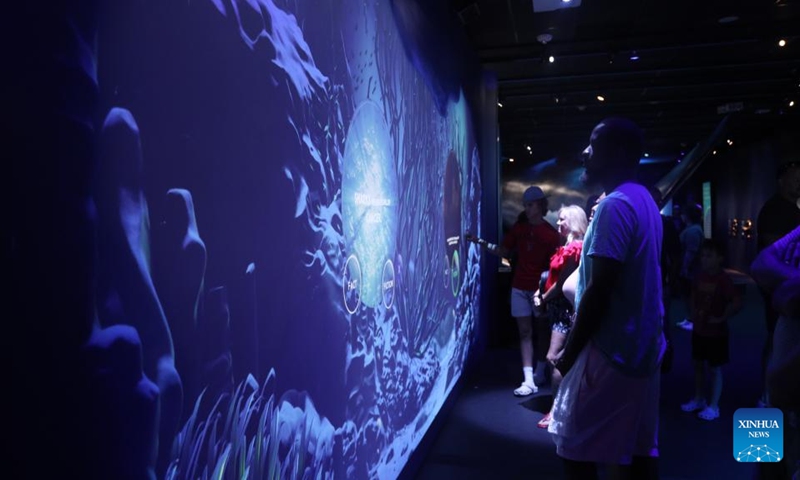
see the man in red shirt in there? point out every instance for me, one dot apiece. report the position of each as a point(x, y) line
point(534, 241)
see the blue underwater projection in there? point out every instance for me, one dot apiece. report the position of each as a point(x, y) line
point(285, 189)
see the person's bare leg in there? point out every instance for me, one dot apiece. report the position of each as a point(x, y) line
point(556, 381)
point(525, 327)
point(699, 381)
point(557, 341)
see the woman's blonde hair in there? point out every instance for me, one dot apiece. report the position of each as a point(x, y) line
point(576, 221)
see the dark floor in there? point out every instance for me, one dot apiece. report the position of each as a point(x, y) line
point(490, 434)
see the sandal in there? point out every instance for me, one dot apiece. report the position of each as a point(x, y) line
point(709, 413)
point(693, 405)
point(545, 421)
point(526, 389)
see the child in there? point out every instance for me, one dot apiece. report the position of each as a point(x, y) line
point(714, 300)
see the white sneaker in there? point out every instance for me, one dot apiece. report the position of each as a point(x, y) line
point(685, 324)
point(526, 389)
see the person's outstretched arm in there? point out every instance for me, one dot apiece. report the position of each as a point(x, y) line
point(492, 248)
point(778, 262)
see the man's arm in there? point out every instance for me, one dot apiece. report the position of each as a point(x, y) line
point(594, 303)
point(778, 262)
point(786, 298)
point(492, 248)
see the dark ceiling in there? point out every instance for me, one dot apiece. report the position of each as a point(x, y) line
point(670, 65)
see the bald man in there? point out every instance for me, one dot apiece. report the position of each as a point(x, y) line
point(606, 411)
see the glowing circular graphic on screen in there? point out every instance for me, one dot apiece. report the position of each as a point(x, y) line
point(447, 281)
point(351, 284)
point(452, 218)
point(387, 286)
point(455, 273)
point(369, 197)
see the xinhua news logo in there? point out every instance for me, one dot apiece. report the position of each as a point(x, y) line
point(758, 435)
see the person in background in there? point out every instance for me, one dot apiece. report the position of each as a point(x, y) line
point(691, 238)
point(714, 300)
point(779, 215)
point(534, 242)
point(606, 408)
point(572, 224)
point(591, 204)
point(777, 271)
point(670, 269)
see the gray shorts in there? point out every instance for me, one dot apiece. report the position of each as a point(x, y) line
point(521, 303)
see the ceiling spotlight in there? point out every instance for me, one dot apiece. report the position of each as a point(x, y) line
point(646, 154)
point(528, 147)
point(714, 152)
point(551, 59)
point(781, 43)
point(730, 142)
point(510, 159)
point(634, 56)
point(499, 104)
point(565, 1)
point(601, 98)
point(791, 103)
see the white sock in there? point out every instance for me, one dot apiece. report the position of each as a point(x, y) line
point(528, 373)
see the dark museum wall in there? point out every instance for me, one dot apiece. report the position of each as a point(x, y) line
point(742, 177)
point(560, 178)
point(235, 241)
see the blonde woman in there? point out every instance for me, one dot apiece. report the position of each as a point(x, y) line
point(572, 224)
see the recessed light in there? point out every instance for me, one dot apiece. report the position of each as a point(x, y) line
point(781, 43)
point(646, 154)
point(499, 104)
point(791, 103)
point(714, 152)
point(551, 59)
point(510, 159)
point(601, 98)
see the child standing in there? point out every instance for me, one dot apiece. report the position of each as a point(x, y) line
point(714, 300)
